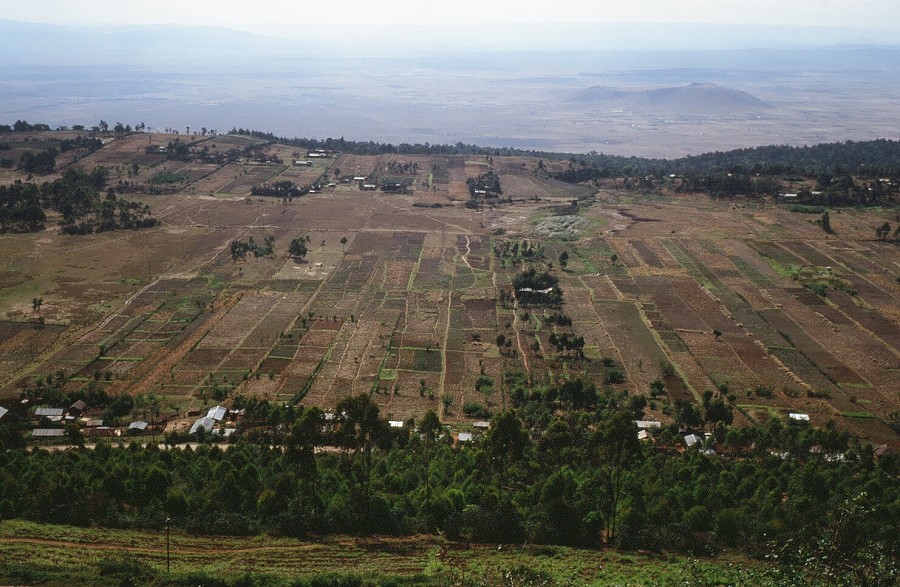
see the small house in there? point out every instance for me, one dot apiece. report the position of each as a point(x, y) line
point(465, 437)
point(482, 425)
point(78, 408)
point(137, 426)
point(691, 439)
point(395, 423)
point(798, 417)
point(3, 411)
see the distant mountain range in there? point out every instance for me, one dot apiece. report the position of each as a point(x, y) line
point(697, 98)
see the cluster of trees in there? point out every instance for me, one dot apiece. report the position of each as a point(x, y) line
point(568, 344)
point(844, 190)
point(89, 144)
point(42, 163)
point(298, 248)
point(20, 208)
point(516, 251)
point(537, 289)
point(883, 231)
point(23, 126)
point(176, 151)
point(181, 151)
point(406, 168)
point(76, 196)
point(239, 248)
point(279, 189)
point(487, 182)
point(395, 185)
point(726, 184)
point(578, 477)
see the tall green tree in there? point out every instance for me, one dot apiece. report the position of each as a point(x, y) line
point(615, 452)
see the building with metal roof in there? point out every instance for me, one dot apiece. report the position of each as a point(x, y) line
point(47, 432)
point(217, 413)
point(48, 412)
point(206, 423)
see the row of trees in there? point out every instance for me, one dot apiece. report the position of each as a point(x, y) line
point(869, 159)
point(279, 189)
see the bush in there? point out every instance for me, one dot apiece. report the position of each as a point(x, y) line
point(125, 568)
point(476, 410)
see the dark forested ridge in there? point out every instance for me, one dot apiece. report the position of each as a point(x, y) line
point(874, 158)
point(879, 157)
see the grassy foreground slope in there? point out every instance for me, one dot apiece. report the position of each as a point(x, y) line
point(64, 555)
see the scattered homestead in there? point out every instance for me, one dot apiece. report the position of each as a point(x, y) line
point(658, 291)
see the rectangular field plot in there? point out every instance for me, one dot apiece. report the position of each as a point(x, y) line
point(416, 359)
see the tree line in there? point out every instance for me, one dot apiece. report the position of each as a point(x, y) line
point(577, 477)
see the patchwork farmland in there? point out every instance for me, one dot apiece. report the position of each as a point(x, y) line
point(410, 297)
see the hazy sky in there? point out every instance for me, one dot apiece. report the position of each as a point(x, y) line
point(289, 16)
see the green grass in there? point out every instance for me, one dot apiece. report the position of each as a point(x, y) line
point(168, 177)
point(63, 555)
point(865, 415)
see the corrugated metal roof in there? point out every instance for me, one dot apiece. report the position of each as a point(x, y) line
point(47, 432)
point(3, 411)
point(207, 423)
point(642, 424)
point(138, 425)
point(48, 412)
point(217, 413)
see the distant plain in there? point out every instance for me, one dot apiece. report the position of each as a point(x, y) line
point(523, 99)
